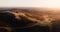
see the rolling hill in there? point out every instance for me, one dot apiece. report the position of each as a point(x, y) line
point(28, 17)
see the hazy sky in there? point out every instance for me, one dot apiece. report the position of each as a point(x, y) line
point(30, 3)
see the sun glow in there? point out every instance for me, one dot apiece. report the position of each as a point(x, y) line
point(30, 3)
